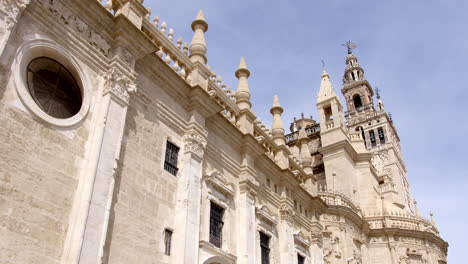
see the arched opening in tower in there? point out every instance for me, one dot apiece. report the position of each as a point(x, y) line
point(357, 101)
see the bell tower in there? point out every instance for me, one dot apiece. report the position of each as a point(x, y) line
point(356, 89)
point(378, 132)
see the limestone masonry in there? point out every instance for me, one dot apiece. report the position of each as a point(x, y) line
point(120, 145)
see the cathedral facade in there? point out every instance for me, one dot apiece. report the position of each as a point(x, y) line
point(120, 145)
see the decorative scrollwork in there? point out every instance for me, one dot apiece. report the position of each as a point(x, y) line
point(194, 142)
point(118, 85)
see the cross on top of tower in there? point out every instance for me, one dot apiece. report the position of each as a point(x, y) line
point(350, 45)
point(377, 92)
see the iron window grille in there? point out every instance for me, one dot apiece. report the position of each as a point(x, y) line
point(381, 136)
point(372, 138)
point(216, 225)
point(170, 162)
point(265, 248)
point(167, 241)
point(300, 259)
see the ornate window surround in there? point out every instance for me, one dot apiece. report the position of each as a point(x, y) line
point(34, 48)
point(267, 223)
point(219, 191)
point(302, 244)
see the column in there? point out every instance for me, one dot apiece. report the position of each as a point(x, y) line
point(89, 218)
point(188, 206)
point(247, 224)
point(286, 238)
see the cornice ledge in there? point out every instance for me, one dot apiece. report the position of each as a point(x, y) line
point(201, 101)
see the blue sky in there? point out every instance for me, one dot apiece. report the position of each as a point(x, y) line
point(415, 51)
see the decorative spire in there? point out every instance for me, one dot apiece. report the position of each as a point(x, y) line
point(305, 155)
point(326, 89)
point(243, 91)
point(198, 45)
point(277, 128)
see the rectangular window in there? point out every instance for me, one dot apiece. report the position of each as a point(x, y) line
point(167, 241)
point(216, 225)
point(265, 248)
point(300, 259)
point(170, 161)
point(381, 135)
point(372, 138)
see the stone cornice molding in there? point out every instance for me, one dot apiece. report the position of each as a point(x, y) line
point(201, 101)
point(249, 187)
point(216, 253)
point(118, 85)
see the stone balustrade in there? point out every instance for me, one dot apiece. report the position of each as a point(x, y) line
point(337, 198)
point(398, 219)
point(329, 124)
point(355, 136)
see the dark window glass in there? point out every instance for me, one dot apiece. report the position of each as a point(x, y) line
point(300, 259)
point(53, 88)
point(381, 135)
point(357, 101)
point(265, 248)
point(216, 225)
point(167, 241)
point(170, 162)
point(372, 138)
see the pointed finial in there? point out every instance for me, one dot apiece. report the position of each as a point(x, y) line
point(243, 90)
point(200, 15)
point(242, 68)
point(277, 128)
point(326, 89)
point(276, 102)
point(198, 47)
point(302, 133)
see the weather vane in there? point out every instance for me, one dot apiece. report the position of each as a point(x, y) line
point(323, 64)
point(377, 92)
point(350, 45)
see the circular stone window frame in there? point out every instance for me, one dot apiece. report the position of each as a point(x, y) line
point(44, 48)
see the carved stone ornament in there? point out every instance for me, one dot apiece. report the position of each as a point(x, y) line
point(286, 213)
point(9, 13)
point(355, 259)
point(119, 85)
point(66, 16)
point(195, 143)
point(379, 160)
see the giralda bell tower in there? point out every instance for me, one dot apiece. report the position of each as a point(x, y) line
point(379, 134)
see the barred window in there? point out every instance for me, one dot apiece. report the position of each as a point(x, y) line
point(170, 162)
point(300, 259)
point(381, 135)
point(167, 241)
point(265, 248)
point(372, 138)
point(216, 225)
